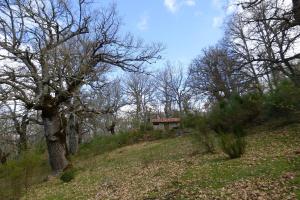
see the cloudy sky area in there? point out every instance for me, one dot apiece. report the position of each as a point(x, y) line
point(183, 26)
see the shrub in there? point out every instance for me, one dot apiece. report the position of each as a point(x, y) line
point(158, 134)
point(204, 136)
point(102, 144)
point(237, 111)
point(146, 127)
point(283, 101)
point(233, 145)
point(68, 175)
point(40, 147)
point(209, 142)
point(15, 179)
point(206, 140)
point(18, 175)
point(192, 121)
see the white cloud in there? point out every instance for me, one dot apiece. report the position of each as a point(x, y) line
point(143, 23)
point(224, 9)
point(218, 21)
point(233, 7)
point(190, 2)
point(217, 4)
point(171, 5)
point(175, 5)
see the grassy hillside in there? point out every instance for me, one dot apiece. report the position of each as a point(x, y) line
point(177, 169)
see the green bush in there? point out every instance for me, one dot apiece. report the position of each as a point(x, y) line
point(192, 121)
point(146, 127)
point(40, 147)
point(237, 111)
point(68, 175)
point(204, 136)
point(283, 101)
point(209, 141)
point(17, 175)
point(205, 140)
point(158, 134)
point(232, 145)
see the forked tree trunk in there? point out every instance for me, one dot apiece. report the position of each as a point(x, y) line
point(56, 140)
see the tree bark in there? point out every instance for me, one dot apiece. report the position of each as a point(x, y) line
point(3, 157)
point(73, 134)
point(112, 128)
point(22, 131)
point(22, 144)
point(55, 139)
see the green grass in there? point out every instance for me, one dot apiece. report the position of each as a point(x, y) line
point(16, 176)
point(176, 168)
point(218, 174)
point(102, 144)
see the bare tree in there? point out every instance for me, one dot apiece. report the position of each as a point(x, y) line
point(164, 93)
point(140, 92)
point(295, 10)
point(110, 99)
point(19, 118)
point(172, 88)
point(238, 42)
point(273, 38)
point(216, 74)
point(179, 87)
point(114, 100)
point(20, 121)
point(51, 48)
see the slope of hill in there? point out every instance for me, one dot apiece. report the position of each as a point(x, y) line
point(176, 169)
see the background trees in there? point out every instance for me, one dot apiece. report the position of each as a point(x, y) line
point(164, 91)
point(265, 36)
point(58, 62)
point(140, 92)
point(217, 73)
point(172, 89)
point(56, 47)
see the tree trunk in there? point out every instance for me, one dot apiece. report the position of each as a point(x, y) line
point(22, 144)
point(269, 82)
point(3, 157)
point(112, 128)
point(80, 135)
point(23, 133)
point(55, 139)
point(73, 134)
point(180, 108)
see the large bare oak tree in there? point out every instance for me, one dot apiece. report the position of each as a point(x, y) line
point(50, 49)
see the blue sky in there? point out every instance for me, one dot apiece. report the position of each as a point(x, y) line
point(183, 26)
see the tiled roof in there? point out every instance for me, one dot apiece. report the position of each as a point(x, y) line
point(166, 120)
